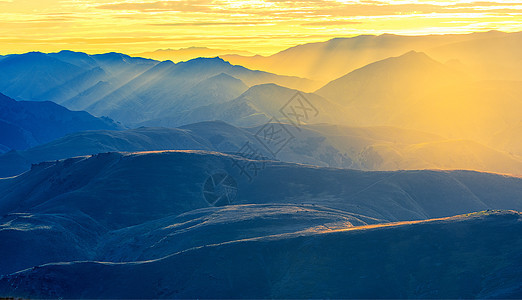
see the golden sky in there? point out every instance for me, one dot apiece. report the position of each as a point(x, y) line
point(259, 26)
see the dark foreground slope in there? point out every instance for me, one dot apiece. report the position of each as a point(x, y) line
point(470, 256)
point(149, 224)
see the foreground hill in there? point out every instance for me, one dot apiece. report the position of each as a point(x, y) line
point(77, 214)
point(211, 136)
point(24, 124)
point(111, 188)
point(469, 256)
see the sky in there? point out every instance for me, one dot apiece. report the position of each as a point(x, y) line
point(259, 26)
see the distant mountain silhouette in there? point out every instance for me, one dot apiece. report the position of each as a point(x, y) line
point(493, 57)
point(256, 106)
point(416, 92)
point(367, 148)
point(325, 61)
point(26, 76)
point(128, 89)
point(389, 81)
point(28, 123)
point(184, 54)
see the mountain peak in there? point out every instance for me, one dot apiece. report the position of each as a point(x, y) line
point(27, 57)
point(71, 52)
point(204, 62)
point(216, 59)
point(413, 53)
point(224, 76)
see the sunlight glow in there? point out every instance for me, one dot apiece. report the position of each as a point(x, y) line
point(258, 26)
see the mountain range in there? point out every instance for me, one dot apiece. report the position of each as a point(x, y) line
point(366, 148)
point(325, 61)
point(184, 54)
point(412, 91)
point(367, 167)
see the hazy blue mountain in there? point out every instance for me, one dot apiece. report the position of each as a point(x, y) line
point(3, 148)
point(79, 59)
point(60, 76)
point(128, 89)
point(212, 136)
point(28, 123)
point(26, 76)
point(114, 60)
point(364, 148)
point(81, 211)
point(256, 106)
point(113, 68)
point(214, 90)
point(170, 87)
point(75, 86)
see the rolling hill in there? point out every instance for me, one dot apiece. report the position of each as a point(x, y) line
point(171, 183)
point(363, 148)
point(431, 259)
point(80, 211)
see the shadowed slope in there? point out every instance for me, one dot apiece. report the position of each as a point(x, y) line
point(462, 257)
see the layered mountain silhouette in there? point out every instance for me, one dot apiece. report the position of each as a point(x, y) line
point(325, 61)
point(101, 83)
point(184, 54)
point(256, 106)
point(414, 91)
point(25, 124)
point(367, 167)
point(366, 148)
